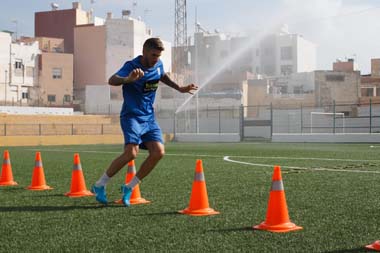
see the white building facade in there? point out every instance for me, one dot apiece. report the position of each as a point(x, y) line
point(18, 69)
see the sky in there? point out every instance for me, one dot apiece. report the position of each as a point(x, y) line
point(341, 29)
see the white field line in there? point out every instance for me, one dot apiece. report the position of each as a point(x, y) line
point(227, 158)
point(205, 155)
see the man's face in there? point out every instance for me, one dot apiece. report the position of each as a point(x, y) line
point(151, 57)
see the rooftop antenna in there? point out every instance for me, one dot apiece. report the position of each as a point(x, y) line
point(134, 7)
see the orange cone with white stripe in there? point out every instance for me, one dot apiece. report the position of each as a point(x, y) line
point(374, 246)
point(6, 178)
point(78, 185)
point(199, 205)
point(136, 195)
point(38, 177)
point(277, 219)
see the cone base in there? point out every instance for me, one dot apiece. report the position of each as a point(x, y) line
point(8, 183)
point(39, 188)
point(199, 212)
point(374, 246)
point(135, 201)
point(79, 194)
point(280, 228)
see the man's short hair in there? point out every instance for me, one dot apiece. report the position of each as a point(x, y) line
point(154, 43)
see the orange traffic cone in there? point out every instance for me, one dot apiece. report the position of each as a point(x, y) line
point(374, 246)
point(136, 195)
point(199, 200)
point(78, 185)
point(38, 177)
point(6, 178)
point(277, 219)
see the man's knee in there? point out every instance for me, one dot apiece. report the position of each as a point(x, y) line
point(158, 154)
point(130, 152)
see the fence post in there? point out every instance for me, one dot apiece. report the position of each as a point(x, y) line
point(241, 121)
point(220, 130)
point(72, 128)
point(102, 129)
point(39, 129)
point(271, 120)
point(370, 115)
point(174, 124)
point(301, 119)
point(333, 116)
point(5, 129)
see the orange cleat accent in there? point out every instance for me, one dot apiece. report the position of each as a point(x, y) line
point(136, 195)
point(78, 185)
point(38, 177)
point(374, 246)
point(277, 219)
point(6, 178)
point(199, 205)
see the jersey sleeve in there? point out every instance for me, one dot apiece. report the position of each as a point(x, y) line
point(125, 70)
point(162, 71)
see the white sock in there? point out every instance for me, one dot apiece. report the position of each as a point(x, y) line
point(103, 180)
point(135, 181)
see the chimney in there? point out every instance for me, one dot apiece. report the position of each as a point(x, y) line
point(109, 15)
point(77, 5)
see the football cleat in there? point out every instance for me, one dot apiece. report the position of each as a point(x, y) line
point(100, 194)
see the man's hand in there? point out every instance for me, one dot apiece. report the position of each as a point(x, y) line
point(188, 89)
point(135, 75)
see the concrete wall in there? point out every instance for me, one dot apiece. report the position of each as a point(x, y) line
point(35, 110)
point(89, 57)
point(59, 24)
point(55, 86)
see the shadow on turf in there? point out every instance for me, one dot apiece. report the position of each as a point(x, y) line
point(53, 208)
point(158, 214)
point(242, 229)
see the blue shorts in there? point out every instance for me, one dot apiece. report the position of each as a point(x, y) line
point(136, 132)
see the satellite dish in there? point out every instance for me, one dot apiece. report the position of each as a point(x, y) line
point(54, 6)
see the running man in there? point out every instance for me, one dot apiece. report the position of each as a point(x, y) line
point(139, 78)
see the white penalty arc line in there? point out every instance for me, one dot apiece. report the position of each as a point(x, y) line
point(227, 159)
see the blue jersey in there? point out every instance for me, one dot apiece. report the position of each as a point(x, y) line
point(139, 96)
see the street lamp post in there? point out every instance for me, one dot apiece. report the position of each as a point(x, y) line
point(5, 87)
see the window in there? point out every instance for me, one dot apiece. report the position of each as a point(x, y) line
point(378, 92)
point(18, 64)
point(57, 73)
point(286, 53)
point(367, 92)
point(25, 95)
point(66, 98)
point(286, 70)
point(51, 98)
point(335, 78)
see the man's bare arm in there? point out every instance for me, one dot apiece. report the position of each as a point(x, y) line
point(116, 80)
point(183, 89)
point(169, 82)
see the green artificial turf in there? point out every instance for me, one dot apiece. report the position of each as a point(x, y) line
point(336, 204)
